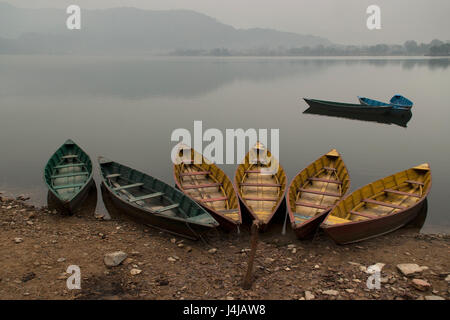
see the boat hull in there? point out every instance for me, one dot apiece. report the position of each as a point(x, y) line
point(347, 107)
point(75, 203)
point(248, 215)
point(308, 229)
point(177, 227)
point(363, 230)
point(225, 224)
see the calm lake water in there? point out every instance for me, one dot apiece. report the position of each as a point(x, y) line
point(126, 109)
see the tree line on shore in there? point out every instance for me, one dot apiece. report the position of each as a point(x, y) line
point(409, 48)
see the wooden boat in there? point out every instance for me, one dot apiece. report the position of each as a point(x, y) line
point(207, 184)
point(400, 119)
point(379, 207)
point(314, 192)
point(261, 191)
point(154, 202)
point(347, 107)
point(68, 175)
point(401, 103)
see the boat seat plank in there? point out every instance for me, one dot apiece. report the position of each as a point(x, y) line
point(329, 168)
point(260, 199)
point(200, 186)
point(324, 193)
point(113, 175)
point(68, 186)
point(147, 196)
point(250, 184)
point(213, 199)
point(415, 182)
point(367, 215)
point(416, 195)
point(257, 171)
point(228, 211)
point(62, 166)
point(139, 184)
point(195, 173)
point(311, 205)
point(170, 207)
point(69, 156)
point(72, 174)
point(384, 204)
point(325, 180)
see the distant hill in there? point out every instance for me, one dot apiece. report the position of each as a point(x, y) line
point(131, 30)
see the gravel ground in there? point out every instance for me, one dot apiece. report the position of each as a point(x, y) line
point(37, 245)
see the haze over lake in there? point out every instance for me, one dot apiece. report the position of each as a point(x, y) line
point(126, 108)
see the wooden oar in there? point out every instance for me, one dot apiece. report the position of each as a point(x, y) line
point(247, 282)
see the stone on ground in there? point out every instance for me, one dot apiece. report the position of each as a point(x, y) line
point(113, 259)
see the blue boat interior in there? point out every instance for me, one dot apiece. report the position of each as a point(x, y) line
point(399, 100)
point(371, 102)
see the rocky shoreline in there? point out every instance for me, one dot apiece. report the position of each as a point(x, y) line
point(121, 259)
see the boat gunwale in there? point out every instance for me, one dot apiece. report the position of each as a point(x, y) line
point(135, 206)
point(422, 199)
point(87, 182)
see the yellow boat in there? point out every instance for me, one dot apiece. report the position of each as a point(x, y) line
point(379, 207)
point(314, 191)
point(209, 186)
point(260, 190)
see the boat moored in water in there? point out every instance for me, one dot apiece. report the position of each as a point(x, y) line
point(348, 107)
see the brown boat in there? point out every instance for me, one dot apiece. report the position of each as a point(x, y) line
point(209, 186)
point(379, 207)
point(315, 191)
point(260, 190)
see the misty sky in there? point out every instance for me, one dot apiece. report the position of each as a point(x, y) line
point(341, 21)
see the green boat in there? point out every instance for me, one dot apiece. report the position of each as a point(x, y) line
point(68, 175)
point(153, 202)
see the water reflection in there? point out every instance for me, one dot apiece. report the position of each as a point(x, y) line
point(400, 120)
point(134, 79)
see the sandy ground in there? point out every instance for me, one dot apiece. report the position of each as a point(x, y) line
point(37, 245)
